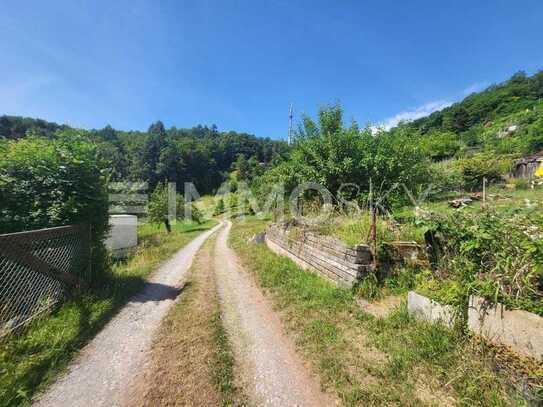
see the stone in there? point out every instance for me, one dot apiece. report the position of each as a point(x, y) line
point(424, 308)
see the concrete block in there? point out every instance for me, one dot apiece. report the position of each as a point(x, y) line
point(426, 309)
point(123, 234)
point(522, 331)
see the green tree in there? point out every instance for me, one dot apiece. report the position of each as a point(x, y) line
point(158, 206)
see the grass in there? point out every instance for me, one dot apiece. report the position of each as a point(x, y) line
point(356, 230)
point(31, 360)
point(191, 362)
point(369, 361)
point(206, 204)
point(223, 363)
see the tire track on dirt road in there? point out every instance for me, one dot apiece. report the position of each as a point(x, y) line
point(111, 361)
point(272, 372)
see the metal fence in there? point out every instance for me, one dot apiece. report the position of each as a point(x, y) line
point(38, 269)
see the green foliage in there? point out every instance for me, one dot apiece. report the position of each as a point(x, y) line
point(202, 155)
point(54, 182)
point(478, 167)
point(440, 145)
point(219, 207)
point(517, 94)
point(158, 208)
point(14, 127)
point(330, 154)
point(398, 353)
point(496, 256)
point(447, 177)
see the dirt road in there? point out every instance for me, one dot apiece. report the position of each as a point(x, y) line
point(110, 362)
point(272, 372)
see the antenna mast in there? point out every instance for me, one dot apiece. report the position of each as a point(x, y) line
point(290, 124)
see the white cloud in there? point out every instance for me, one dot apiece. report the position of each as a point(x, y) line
point(417, 113)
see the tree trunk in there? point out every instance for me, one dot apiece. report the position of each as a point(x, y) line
point(167, 224)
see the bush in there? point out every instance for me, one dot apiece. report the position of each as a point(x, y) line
point(54, 182)
point(219, 207)
point(495, 256)
point(447, 177)
point(481, 166)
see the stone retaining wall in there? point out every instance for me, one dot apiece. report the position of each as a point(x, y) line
point(325, 255)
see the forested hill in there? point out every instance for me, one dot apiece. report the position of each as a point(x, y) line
point(504, 119)
point(202, 155)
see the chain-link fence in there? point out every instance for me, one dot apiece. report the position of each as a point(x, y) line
point(38, 269)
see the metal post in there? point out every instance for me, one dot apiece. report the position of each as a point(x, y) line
point(290, 125)
point(484, 192)
point(373, 227)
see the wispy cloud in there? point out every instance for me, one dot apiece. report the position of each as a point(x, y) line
point(19, 94)
point(417, 113)
point(474, 87)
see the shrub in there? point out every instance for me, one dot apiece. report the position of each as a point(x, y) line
point(496, 256)
point(481, 166)
point(447, 177)
point(54, 182)
point(219, 207)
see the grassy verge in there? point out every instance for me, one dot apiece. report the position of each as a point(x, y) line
point(369, 361)
point(223, 364)
point(191, 361)
point(29, 361)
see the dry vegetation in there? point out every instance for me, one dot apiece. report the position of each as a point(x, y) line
point(191, 363)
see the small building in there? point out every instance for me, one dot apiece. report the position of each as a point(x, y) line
point(527, 166)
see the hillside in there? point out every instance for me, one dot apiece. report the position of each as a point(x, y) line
point(503, 119)
point(202, 155)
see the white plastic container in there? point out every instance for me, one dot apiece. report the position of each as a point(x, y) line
point(123, 234)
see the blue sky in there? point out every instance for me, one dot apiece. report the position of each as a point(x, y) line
point(239, 64)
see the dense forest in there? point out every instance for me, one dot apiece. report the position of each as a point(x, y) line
point(202, 155)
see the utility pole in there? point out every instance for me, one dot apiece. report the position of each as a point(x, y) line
point(290, 124)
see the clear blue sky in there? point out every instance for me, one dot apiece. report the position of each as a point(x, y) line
point(239, 64)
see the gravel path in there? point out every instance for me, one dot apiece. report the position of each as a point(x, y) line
point(273, 374)
point(109, 363)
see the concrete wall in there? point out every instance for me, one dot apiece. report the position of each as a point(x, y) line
point(123, 234)
point(520, 330)
point(327, 256)
point(428, 310)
